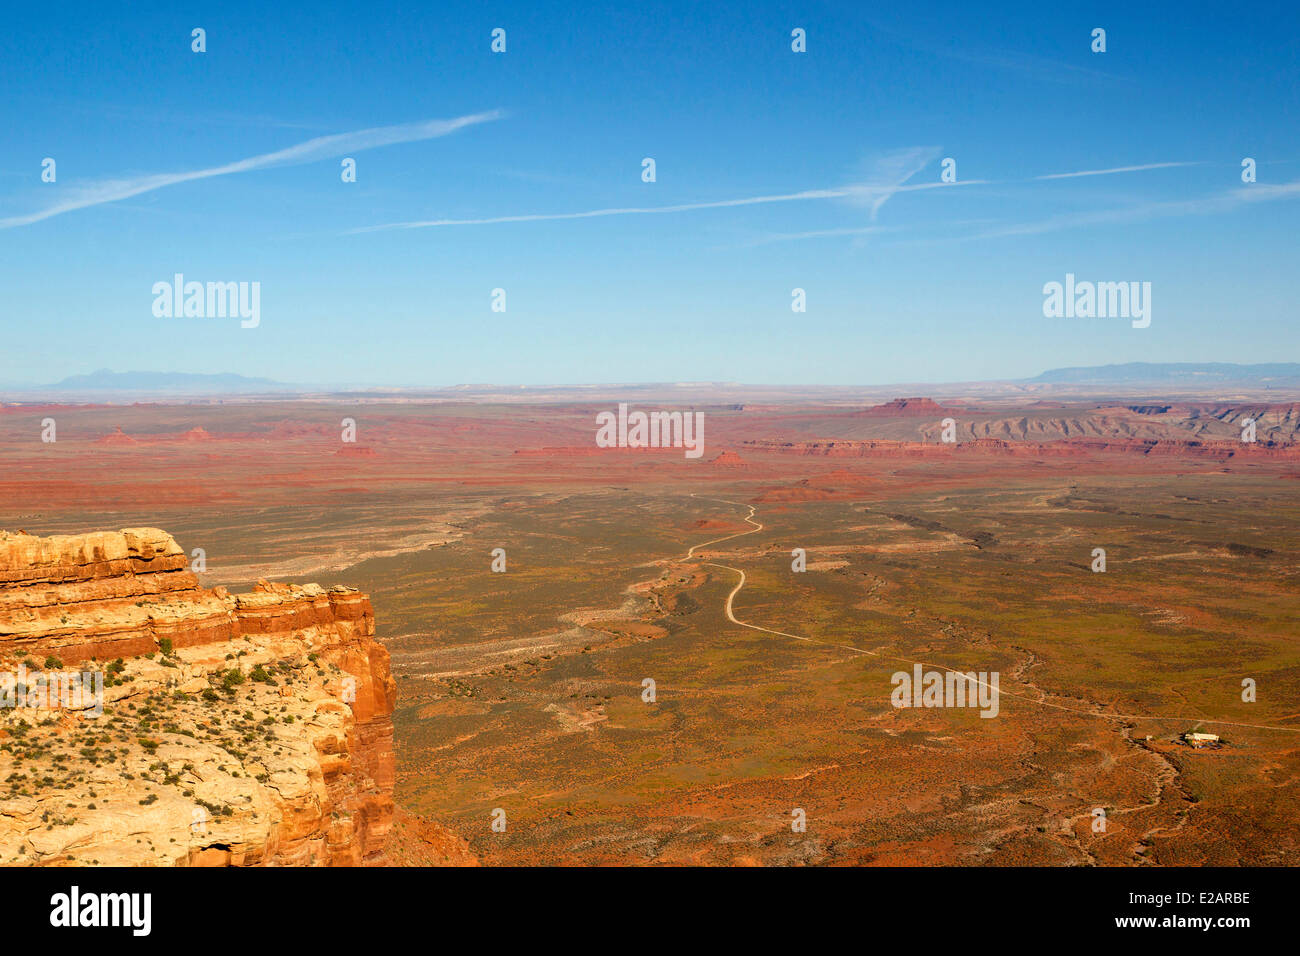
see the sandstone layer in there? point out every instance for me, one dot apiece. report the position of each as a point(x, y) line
point(232, 729)
point(880, 448)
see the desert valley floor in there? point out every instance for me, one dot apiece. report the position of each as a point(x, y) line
point(523, 690)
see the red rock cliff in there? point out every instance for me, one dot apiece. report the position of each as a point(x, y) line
point(238, 729)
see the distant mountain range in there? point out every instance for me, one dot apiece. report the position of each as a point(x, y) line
point(1180, 376)
point(1175, 373)
point(168, 383)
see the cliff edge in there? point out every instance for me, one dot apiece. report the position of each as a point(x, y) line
point(145, 720)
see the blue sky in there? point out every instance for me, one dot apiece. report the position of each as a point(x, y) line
point(903, 284)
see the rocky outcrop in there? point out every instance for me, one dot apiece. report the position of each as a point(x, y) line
point(228, 729)
point(1138, 423)
point(907, 408)
point(595, 451)
point(1217, 450)
point(729, 459)
point(116, 437)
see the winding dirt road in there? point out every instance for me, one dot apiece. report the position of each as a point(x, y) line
point(731, 616)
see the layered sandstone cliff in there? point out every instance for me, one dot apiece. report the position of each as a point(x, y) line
point(236, 729)
point(882, 448)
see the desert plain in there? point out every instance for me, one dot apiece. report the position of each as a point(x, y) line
point(522, 694)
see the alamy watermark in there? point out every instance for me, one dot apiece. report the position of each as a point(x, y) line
point(53, 690)
point(651, 430)
point(75, 908)
point(1098, 300)
point(946, 688)
point(211, 300)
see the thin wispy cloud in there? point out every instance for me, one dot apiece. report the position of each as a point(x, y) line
point(885, 173)
point(1207, 205)
point(1265, 192)
point(321, 147)
point(1041, 68)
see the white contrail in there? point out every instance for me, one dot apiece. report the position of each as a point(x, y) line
point(846, 192)
point(818, 234)
point(899, 166)
point(615, 211)
point(322, 147)
point(894, 168)
point(1115, 169)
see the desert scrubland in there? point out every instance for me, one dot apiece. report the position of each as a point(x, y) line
point(522, 690)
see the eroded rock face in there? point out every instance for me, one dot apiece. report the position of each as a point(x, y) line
point(235, 729)
point(883, 448)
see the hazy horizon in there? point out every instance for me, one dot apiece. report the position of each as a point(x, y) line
point(1100, 387)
